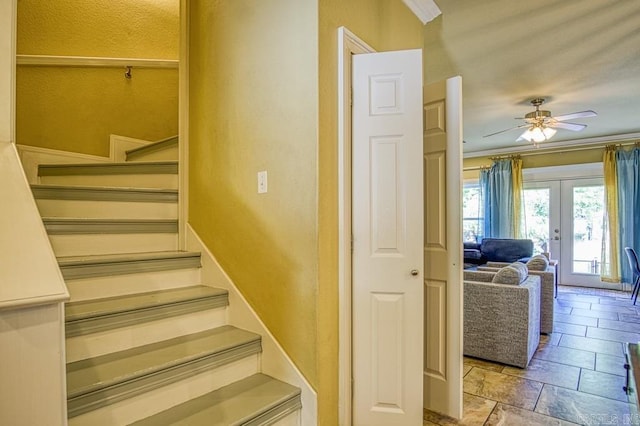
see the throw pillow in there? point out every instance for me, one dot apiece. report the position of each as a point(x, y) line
point(513, 274)
point(538, 263)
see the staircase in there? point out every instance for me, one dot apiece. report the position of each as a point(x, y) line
point(146, 342)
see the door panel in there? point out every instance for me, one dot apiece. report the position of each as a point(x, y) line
point(387, 226)
point(442, 248)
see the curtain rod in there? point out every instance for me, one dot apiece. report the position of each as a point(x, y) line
point(552, 151)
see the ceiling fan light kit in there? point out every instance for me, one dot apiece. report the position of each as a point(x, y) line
point(541, 126)
point(537, 134)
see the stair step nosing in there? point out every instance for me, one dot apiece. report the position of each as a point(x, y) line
point(276, 411)
point(56, 226)
point(256, 400)
point(157, 167)
point(113, 320)
point(108, 394)
point(142, 300)
point(83, 193)
point(122, 267)
point(122, 258)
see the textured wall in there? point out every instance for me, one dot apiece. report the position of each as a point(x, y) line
point(264, 97)
point(253, 107)
point(384, 25)
point(76, 109)
point(113, 28)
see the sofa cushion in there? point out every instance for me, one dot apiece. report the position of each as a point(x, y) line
point(513, 274)
point(472, 254)
point(506, 249)
point(538, 263)
point(470, 245)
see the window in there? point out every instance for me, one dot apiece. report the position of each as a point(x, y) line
point(472, 213)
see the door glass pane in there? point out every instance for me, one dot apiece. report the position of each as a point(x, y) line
point(472, 217)
point(536, 217)
point(588, 214)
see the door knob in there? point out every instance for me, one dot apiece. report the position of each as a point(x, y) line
point(556, 238)
point(414, 272)
point(556, 230)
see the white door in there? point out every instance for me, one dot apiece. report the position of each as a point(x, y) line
point(564, 217)
point(582, 212)
point(443, 247)
point(387, 215)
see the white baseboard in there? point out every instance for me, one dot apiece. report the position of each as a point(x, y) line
point(275, 361)
point(31, 156)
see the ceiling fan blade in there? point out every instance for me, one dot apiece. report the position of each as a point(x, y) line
point(568, 126)
point(506, 130)
point(581, 114)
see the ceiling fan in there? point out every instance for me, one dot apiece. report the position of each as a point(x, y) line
point(541, 126)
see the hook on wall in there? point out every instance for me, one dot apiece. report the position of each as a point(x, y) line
point(127, 73)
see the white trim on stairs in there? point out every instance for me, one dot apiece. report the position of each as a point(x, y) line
point(32, 156)
point(275, 361)
point(183, 125)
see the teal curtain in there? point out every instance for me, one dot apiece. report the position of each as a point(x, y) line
point(628, 174)
point(496, 184)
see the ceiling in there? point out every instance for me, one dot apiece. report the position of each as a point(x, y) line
point(578, 55)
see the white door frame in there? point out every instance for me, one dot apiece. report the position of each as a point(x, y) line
point(8, 66)
point(348, 44)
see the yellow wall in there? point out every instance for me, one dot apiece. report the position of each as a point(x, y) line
point(561, 158)
point(76, 109)
point(384, 25)
point(253, 107)
point(263, 81)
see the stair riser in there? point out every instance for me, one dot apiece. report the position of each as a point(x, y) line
point(94, 244)
point(124, 181)
point(119, 285)
point(293, 419)
point(96, 344)
point(106, 209)
point(145, 405)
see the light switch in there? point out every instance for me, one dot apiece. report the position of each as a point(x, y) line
point(262, 182)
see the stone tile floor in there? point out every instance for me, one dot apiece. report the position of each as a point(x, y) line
point(575, 377)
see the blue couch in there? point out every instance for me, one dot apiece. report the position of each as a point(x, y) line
point(498, 250)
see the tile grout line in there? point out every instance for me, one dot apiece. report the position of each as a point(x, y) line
point(538, 398)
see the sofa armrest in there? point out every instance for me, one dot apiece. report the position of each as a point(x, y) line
point(502, 322)
point(547, 292)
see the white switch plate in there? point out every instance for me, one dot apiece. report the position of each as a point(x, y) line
point(262, 182)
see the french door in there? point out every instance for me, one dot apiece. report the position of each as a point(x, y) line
point(565, 218)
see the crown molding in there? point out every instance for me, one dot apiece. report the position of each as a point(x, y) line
point(425, 10)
